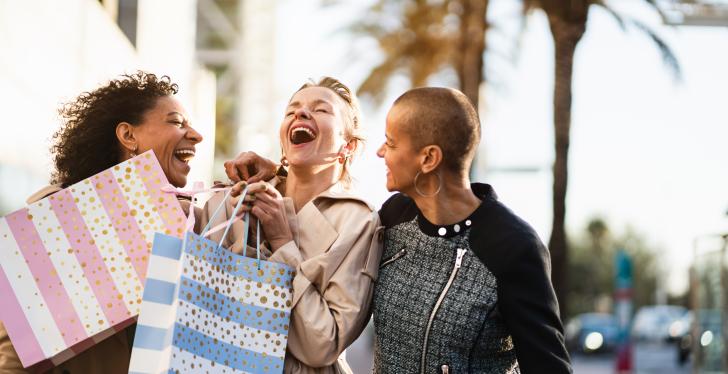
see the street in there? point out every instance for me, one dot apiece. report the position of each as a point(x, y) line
point(648, 358)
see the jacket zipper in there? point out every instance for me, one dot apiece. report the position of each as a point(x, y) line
point(394, 258)
point(458, 263)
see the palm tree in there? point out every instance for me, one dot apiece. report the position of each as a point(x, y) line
point(568, 21)
point(420, 38)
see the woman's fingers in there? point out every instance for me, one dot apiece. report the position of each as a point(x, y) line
point(264, 169)
point(260, 189)
point(254, 188)
point(271, 214)
point(236, 169)
point(237, 189)
point(249, 166)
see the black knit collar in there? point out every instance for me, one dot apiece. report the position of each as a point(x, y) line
point(483, 191)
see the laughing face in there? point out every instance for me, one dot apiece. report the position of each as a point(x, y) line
point(166, 129)
point(312, 132)
point(399, 154)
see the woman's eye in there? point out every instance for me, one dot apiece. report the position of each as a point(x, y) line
point(322, 110)
point(289, 114)
point(179, 124)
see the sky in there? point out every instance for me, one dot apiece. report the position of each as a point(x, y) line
point(647, 152)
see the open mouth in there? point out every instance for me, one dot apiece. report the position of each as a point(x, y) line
point(185, 154)
point(302, 134)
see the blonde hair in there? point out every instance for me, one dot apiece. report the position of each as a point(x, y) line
point(352, 119)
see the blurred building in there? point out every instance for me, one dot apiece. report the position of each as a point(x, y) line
point(709, 303)
point(695, 12)
point(51, 51)
point(236, 40)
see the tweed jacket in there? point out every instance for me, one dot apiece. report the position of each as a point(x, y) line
point(471, 297)
point(335, 251)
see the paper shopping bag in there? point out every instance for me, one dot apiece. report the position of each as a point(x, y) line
point(207, 309)
point(73, 264)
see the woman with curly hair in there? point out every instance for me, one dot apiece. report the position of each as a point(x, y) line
point(102, 128)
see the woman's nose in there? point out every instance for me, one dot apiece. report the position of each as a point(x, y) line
point(193, 135)
point(302, 113)
point(380, 151)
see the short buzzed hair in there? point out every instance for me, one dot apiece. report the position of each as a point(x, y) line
point(444, 117)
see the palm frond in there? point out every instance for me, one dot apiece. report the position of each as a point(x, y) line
point(376, 82)
point(617, 17)
point(668, 56)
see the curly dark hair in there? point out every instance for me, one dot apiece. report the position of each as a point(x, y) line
point(86, 143)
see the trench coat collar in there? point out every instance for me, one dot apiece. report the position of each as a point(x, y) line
point(313, 233)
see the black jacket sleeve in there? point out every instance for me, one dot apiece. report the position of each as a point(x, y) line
point(528, 305)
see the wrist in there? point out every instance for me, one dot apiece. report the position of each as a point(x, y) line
point(275, 244)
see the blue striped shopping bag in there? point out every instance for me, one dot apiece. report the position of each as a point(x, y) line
point(206, 309)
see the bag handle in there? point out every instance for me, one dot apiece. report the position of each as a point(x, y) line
point(198, 187)
point(246, 225)
point(204, 232)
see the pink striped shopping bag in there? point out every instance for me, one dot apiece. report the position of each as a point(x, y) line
point(73, 265)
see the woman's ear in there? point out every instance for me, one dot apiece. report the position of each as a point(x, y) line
point(347, 150)
point(351, 147)
point(125, 136)
point(431, 158)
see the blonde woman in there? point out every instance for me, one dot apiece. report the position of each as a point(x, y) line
point(313, 221)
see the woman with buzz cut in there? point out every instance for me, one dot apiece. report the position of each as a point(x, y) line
point(464, 284)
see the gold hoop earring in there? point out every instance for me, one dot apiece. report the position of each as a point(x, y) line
point(437, 191)
point(284, 161)
point(343, 157)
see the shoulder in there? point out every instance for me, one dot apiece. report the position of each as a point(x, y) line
point(397, 209)
point(503, 240)
point(340, 196)
point(346, 210)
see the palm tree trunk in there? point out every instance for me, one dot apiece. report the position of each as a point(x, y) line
point(469, 62)
point(566, 36)
point(472, 46)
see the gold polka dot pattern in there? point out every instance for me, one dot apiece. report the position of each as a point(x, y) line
point(73, 263)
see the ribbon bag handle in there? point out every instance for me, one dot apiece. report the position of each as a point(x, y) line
point(197, 188)
point(246, 223)
point(204, 231)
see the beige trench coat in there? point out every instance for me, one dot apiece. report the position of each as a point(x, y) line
point(335, 250)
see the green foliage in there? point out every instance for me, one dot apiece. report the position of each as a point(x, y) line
point(591, 268)
point(225, 128)
point(417, 39)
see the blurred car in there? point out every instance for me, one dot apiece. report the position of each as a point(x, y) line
point(592, 332)
point(681, 332)
point(704, 339)
point(659, 323)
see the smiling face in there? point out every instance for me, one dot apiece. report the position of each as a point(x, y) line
point(313, 130)
point(399, 154)
point(166, 129)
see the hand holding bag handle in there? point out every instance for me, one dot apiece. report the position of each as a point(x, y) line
point(246, 222)
point(207, 230)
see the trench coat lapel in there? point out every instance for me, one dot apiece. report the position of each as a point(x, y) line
point(315, 232)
